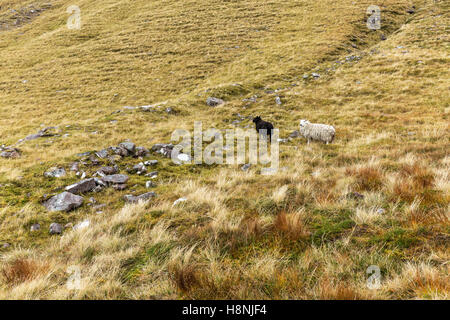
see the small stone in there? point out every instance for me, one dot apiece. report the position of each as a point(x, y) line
point(245, 167)
point(294, 134)
point(35, 227)
point(102, 154)
point(129, 146)
point(381, 211)
point(278, 100)
point(108, 170)
point(115, 179)
point(75, 166)
point(150, 184)
point(315, 75)
point(176, 202)
point(6, 245)
point(214, 102)
point(152, 174)
point(120, 187)
point(382, 37)
point(10, 153)
point(151, 162)
point(55, 228)
point(55, 172)
point(139, 168)
point(142, 152)
point(142, 197)
point(163, 149)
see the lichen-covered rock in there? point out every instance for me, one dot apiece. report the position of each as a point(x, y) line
point(108, 170)
point(129, 146)
point(214, 102)
point(55, 172)
point(10, 153)
point(55, 228)
point(115, 179)
point(83, 186)
point(65, 201)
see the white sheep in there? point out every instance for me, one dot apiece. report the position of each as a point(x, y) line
point(317, 131)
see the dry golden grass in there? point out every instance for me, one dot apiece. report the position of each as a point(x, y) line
point(293, 235)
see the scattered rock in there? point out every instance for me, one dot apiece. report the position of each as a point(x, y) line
point(245, 167)
point(120, 187)
point(129, 146)
point(6, 245)
point(35, 227)
point(102, 154)
point(141, 152)
point(46, 132)
point(115, 179)
point(381, 211)
point(82, 187)
point(178, 201)
point(163, 149)
point(108, 170)
point(355, 196)
point(55, 172)
point(383, 37)
point(65, 201)
point(294, 134)
point(142, 197)
point(214, 102)
point(315, 75)
point(152, 174)
point(278, 100)
point(139, 168)
point(56, 228)
point(150, 184)
point(151, 162)
point(10, 153)
point(75, 166)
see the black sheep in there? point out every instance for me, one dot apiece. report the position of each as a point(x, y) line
point(261, 124)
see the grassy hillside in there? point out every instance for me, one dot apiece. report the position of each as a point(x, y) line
point(239, 235)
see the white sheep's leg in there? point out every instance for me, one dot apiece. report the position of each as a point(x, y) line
point(327, 142)
point(308, 140)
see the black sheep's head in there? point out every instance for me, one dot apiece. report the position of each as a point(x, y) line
point(256, 119)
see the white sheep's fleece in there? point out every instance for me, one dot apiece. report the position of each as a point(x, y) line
point(317, 131)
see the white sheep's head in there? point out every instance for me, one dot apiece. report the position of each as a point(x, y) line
point(303, 123)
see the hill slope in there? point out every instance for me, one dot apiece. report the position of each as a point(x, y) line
point(297, 234)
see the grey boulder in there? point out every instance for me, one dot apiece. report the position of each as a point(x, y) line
point(83, 186)
point(115, 179)
point(65, 201)
point(55, 228)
